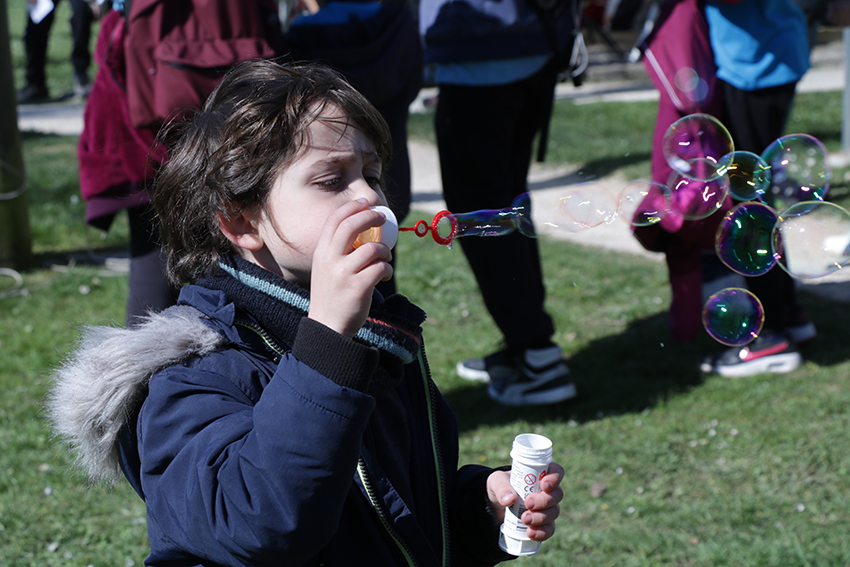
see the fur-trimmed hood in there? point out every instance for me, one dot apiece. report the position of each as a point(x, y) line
point(105, 378)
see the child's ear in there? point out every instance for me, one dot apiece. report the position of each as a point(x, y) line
point(241, 229)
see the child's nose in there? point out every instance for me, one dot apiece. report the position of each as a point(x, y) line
point(368, 192)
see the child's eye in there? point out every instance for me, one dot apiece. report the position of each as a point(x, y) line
point(374, 182)
point(331, 183)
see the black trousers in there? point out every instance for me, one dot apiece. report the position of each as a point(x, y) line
point(149, 288)
point(755, 119)
point(36, 38)
point(485, 137)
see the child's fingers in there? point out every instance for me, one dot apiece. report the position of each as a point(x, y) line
point(345, 223)
point(553, 478)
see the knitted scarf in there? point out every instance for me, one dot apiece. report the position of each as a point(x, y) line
point(393, 325)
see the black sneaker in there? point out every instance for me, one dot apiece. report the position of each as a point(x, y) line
point(528, 377)
point(500, 365)
point(768, 353)
point(32, 93)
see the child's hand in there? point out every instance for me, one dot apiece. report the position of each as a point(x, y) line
point(342, 278)
point(543, 507)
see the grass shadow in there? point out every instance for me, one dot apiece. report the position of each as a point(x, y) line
point(114, 258)
point(641, 368)
point(622, 373)
point(602, 167)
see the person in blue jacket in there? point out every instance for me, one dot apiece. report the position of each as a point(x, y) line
point(283, 413)
point(761, 50)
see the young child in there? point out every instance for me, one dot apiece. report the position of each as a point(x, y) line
point(282, 413)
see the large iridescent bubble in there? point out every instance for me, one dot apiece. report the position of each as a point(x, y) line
point(799, 169)
point(695, 199)
point(584, 206)
point(643, 202)
point(694, 145)
point(812, 239)
point(733, 316)
point(748, 173)
point(744, 239)
point(491, 222)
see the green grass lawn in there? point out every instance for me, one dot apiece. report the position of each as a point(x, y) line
point(664, 466)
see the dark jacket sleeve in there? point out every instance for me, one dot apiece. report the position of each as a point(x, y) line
point(235, 473)
point(474, 527)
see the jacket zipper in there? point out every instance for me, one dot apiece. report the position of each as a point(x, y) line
point(431, 399)
point(363, 473)
point(267, 338)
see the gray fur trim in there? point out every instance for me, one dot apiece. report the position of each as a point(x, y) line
point(105, 379)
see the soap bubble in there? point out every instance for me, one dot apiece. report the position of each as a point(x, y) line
point(643, 203)
point(744, 239)
point(584, 206)
point(812, 239)
point(695, 199)
point(799, 170)
point(694, 145)
point(748, 173)
point(733, 316)
point(688, 81)
point(521, 207)
point(486, 222)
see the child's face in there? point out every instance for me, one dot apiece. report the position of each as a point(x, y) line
point(338, 164)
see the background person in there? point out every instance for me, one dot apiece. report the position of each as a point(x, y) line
point(496, 64)
point(36, 36)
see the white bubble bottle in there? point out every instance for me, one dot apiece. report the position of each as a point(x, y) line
point(387, 233)
point(532, 455)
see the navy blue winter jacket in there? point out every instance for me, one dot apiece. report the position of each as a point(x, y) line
point(245, 454)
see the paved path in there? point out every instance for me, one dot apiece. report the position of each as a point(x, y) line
point(609, 80)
